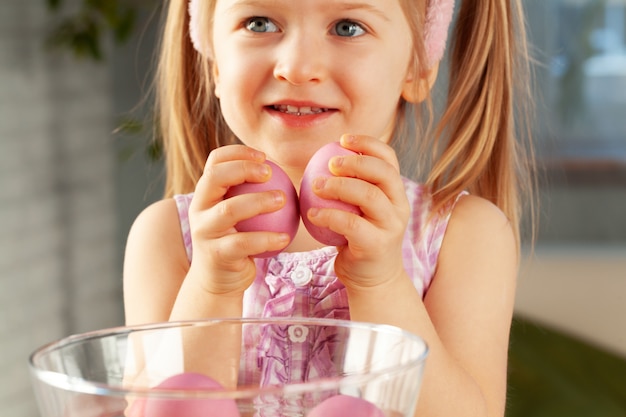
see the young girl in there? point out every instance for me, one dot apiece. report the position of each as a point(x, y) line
point(246, 81)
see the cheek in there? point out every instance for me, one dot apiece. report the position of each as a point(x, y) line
point(376, 93)
point(229, 74)
point(391, 79)
point(237, 92)
point(235, 116)
point(237, 72)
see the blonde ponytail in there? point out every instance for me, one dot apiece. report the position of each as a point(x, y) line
point(189, 115)
point(478, 146)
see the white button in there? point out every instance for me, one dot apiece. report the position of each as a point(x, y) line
point(301, 276)
point(298, 333)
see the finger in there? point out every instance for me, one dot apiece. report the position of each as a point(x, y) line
point(367, 145)
point(379, 168)
point(234, 247)
point(372, 170)
point(218, 177)
point(234, 152)
point(354, 227)
point(372, 201)
point(225, 215)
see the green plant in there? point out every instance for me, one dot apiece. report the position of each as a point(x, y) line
point(83, 29)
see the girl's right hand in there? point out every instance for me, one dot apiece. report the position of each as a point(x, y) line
point(222, 257)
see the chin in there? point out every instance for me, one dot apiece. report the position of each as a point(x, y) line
point(296, 152)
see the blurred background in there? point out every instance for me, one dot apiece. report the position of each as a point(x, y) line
point(78, 163)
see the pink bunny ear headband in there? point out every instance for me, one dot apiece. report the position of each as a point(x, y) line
point(438, 18)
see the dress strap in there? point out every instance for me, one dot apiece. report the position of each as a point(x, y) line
point(182, 204)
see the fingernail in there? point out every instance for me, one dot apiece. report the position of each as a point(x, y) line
point(313, 212)
point(265, 170)
point(279, 197)
point(337, 161)
point(257, 155)
point(319, 183)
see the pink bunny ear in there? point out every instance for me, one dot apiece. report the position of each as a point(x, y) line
point(438, 19)
point(195, 28)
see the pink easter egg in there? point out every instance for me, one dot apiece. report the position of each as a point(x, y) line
point(190, 407)
point(284, 220)
point(345, 405)
point(318, 167)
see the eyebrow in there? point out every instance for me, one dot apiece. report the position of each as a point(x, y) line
point(246, 3)
point(364, 6)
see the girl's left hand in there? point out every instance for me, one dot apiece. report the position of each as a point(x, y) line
point(370, 180)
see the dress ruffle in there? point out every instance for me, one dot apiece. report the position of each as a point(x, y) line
point(290, 353)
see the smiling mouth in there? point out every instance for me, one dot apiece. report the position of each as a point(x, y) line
point(298, 111)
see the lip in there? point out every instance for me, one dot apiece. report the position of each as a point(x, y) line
point(299, 114)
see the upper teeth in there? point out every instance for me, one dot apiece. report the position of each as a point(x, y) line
point(285, 108)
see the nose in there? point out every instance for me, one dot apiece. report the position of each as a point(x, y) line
point(300, 60)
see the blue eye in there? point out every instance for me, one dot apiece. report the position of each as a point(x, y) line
point(260, 25)
point(348, 28)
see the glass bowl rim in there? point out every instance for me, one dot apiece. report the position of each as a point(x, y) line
point(83, 386)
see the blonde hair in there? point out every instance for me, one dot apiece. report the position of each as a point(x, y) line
point(474, 145)
point(483, 141)
point(190, 119)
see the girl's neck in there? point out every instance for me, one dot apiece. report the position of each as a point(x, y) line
point(303, 241)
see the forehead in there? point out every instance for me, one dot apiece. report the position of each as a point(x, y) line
point(335, 4)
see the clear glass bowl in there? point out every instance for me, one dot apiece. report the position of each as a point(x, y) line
point(231, 368)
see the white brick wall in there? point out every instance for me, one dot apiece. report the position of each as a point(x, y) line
point(58, 261)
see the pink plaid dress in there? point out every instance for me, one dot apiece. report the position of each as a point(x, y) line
point(304, 284)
